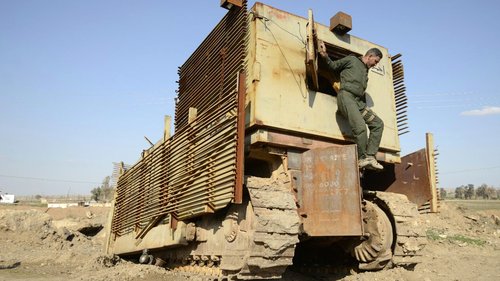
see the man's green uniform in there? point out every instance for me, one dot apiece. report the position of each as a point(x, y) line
point(351, 101)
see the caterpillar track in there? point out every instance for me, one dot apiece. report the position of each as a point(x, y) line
point(256, 240)
point(411, 239)
point(393, 238)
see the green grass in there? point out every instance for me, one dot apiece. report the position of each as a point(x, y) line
point(433, 234)
point(477, 205)
point(439, 235)
point(468, 240)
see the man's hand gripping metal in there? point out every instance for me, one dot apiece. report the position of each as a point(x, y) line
point(322, 49)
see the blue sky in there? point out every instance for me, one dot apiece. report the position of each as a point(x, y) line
point(82, 82)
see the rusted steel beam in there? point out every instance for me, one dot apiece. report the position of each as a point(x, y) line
point(432, 171)
point(240, 135)
point(395, 57)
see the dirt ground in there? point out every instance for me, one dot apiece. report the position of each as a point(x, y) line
point(67, 244)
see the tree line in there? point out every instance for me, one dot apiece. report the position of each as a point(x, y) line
point(469, 191)
point(104, 192)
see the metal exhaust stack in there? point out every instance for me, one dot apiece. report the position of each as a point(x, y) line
point(229, 4)
point(341, 23)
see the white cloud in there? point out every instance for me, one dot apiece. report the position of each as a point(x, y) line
point(486, 110)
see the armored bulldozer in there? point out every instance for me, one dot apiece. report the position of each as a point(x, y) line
point(261, 172)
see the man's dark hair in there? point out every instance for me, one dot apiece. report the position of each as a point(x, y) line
point(375, 52)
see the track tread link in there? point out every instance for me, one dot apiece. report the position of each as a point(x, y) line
point(274, 234)
point(410, 236)
point(277, 227)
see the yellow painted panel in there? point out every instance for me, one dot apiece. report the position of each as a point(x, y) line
point(278, 95)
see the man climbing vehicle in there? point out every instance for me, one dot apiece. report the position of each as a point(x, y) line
point(351, 100)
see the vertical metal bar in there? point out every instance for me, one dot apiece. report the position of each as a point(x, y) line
point(432, 171)
point(240, 138)
point(166, 130)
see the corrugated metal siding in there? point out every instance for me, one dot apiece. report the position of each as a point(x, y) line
point(196, 171)
point(213, 67)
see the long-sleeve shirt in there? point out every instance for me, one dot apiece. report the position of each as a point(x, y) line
point(353, 74)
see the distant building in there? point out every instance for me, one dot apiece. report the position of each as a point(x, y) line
point(7, 198)
point(61, 205)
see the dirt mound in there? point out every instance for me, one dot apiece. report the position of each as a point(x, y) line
point(24, 221)
point(35, 246)
point(30, 236)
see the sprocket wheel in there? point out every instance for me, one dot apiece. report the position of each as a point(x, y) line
point(374, 252)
